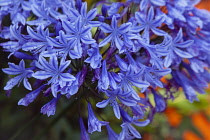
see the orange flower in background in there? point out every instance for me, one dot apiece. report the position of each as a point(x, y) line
point(200, 121)
point(189, 135)
point(174, 118)
point(204, 4)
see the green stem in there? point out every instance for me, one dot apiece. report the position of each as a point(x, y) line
point(22, 129)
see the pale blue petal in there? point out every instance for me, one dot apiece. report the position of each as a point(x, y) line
point(182, 54)
point(105, 41)
point(103, 103)
point(106, 28)
point(67, 77)
point(42, 75)
point(26, 84)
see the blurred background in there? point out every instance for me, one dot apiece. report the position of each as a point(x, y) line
point(182, 120)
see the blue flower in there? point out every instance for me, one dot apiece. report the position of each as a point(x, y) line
point(145, 3)
point(86, 17)
point(103, 82)
point(112, 100)
point(54, 71)
point(94, 56)
point(153, 75)
point(112, 135)
point(176, 13)
point(160, 103)
point(185, 83)
point(50, 107)
point(113, 8)
point(83, 135)
point(72, 87)
point(65, 47)
point(176, 48)
point(22, 73)
point(130, 79)
point(93, 123)
point(149, 23)
point(128, 131)
point(42, 12)
point(78, 32)
point(37, 42)
point(115, 33)
point(116, 53)
point(138, 110)
point(30, 97)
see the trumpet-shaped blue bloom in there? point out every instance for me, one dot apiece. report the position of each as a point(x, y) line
point(30, 97)
point(94, 56)
point(84, 135)
point(50, 107)
point(93, 123)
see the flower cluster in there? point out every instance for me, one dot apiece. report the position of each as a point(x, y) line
point(122, 53)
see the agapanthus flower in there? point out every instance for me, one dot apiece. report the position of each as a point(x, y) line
point(148, 23)
point(84, 134)
point(93, 123)
point(115, 33)
point(23, 75)
point(106, 54)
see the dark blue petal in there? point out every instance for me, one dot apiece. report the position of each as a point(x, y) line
point(50, 107)
point(168, 60)
point(139, 18)
point(68, 27)
point(83, 132)
point(53, 43)
point(158, 32)
point(87, 40)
